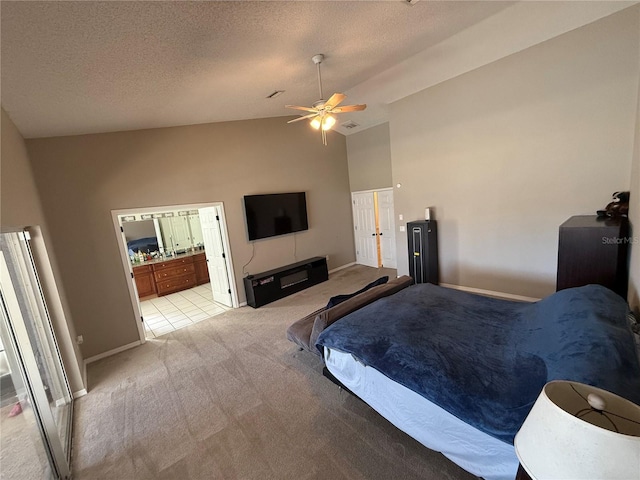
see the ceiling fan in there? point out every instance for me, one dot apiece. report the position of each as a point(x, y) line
point(322, 111)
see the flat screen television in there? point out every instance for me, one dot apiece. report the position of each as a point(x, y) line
point(275, 214)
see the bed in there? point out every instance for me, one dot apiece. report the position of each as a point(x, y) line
point(459, 372)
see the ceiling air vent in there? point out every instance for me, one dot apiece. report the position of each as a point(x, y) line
point(350, 124)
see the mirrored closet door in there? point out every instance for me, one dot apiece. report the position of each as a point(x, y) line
point(37, 405)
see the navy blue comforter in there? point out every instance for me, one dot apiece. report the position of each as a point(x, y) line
point(486, 360)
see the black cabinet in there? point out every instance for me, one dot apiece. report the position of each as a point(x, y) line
point(275, 284)
point(423, 251)
point(593, 250)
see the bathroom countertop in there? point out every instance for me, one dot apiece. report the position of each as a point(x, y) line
point(167, 259)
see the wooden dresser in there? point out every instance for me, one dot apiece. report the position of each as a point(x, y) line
point(593, 250)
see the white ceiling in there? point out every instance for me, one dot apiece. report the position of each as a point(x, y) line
point(86, 67)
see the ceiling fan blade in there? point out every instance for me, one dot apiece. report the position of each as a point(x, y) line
point(306, 109)
point(334, 100)
point(348, 108)
point(304, 117)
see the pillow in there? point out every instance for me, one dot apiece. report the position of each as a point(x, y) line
point(333, 301)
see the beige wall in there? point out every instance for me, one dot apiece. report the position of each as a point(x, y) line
point(20, 204)
point(634, 217)
point(82, 178)
point(20, 207)
point(369, 154)
point(509, 151)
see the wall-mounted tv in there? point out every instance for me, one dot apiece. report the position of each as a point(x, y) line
point(275, 214)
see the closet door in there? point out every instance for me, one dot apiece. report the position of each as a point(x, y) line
point(181, 235)
point(374, 228)
point(364, 224)
point(387, 228)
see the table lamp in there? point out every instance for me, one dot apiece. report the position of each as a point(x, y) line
point(576, 431)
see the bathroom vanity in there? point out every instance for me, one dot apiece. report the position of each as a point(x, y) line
point(169, 275)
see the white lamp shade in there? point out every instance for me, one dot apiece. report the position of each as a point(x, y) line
point(566, 437)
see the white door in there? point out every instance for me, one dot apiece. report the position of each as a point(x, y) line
point(364, 224)
point(387, 228)
point(181, 236)
point(215, 254)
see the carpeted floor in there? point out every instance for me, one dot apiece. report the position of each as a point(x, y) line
point(22, 453)
point(232, 398)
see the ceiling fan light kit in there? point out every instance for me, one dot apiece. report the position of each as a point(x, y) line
point(315, 122)
point(321, 112)
point(327, 122)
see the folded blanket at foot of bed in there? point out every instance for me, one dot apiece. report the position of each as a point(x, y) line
point(304, 332)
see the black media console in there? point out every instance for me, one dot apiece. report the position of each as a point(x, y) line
point(273, 285)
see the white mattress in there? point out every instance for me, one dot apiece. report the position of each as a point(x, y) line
point(473, 450)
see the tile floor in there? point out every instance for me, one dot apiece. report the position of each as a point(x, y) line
point(171, 312)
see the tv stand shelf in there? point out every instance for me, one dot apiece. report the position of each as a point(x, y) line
point(267, 287)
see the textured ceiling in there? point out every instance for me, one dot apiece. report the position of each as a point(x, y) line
point(84, 67)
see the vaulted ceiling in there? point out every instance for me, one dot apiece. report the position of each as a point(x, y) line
point(86, 67)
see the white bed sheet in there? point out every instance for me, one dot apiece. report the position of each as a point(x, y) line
point(434, 427)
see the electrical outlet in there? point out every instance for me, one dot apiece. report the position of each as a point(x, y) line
point(402, 228)
point(79, 339)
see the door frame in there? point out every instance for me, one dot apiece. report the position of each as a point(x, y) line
point(128, 268)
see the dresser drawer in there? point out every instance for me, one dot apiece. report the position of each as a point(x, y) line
point(176, 284)
point(175, 271)
point(173, 263)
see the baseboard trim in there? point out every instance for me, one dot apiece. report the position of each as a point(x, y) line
point(80, 393)
point(102, 355)
point(342, 267)
point(480, 291)
point(243, 304)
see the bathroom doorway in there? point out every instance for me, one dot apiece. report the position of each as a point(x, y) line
point(179, 274)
